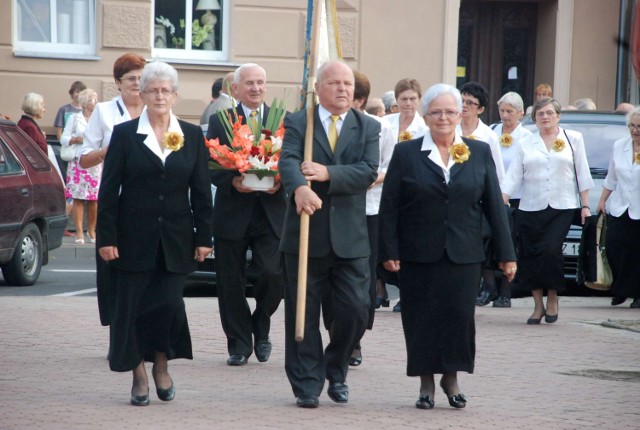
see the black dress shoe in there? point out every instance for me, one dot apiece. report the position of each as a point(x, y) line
point(236, 360)
point(502, 302)
point(617, 300)
point(338, 392)
point(458, 401)
point(535, 321)
point(635, 304)
point(382, 301)
point(262, 348)
point(307, 401)
point(356, 356)
point(166, 395)
point(139, 400)
point(487, 294)
point(425, 402)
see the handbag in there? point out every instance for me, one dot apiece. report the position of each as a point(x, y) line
point(594, 270)
point(68, 152)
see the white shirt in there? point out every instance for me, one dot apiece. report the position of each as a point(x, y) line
point(417, 128)
point(623, 179)
point(387, 143)
point(429, 145)
point(547, 177)
point(247, 112)
point(508, 153)
point(75, 126)
point(144, 127)
point(325, 119)
point(100, 126)
point(484, 133)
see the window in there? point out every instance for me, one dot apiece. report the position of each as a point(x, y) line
point(8, 164)
point(54, 28)
point(190, 30)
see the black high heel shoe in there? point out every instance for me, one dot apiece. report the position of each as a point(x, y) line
point(382, 301)
point(166, 395)
point(535, 321)
point(139, 400)
point(458, 401)
point(552, 318)
point(425, 402)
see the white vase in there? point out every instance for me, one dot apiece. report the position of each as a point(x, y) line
point(159, 36)
point(251, 180)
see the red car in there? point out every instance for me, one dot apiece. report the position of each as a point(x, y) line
point(32, 207)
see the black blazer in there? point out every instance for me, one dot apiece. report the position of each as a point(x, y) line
point(421, 216)
point(341, 224)
point(232, 210)
point(142, 203)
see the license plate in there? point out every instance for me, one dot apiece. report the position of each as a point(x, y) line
point(571, 249)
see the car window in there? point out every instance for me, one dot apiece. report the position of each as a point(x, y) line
point(33, 153)
point(598, 140)
point(8, 163)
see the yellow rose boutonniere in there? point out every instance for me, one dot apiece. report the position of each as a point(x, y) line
point(471, 137)
point(173, 140)
point(404, 136)
point(459, 152)
point(506, 140)
point(636, 157)
point(558, 145)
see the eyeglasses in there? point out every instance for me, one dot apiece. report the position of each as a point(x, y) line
point(541, 113)
point(468, 102)
point(634, 126)
point(450, 114)
point(130, 79)
point(164, 93)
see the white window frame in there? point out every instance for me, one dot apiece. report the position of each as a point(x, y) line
point(194, 56)
point(54, 49)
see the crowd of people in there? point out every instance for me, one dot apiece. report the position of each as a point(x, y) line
point(411, 189)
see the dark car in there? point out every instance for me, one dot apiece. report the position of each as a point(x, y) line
point(599, 130)
point(32, 207)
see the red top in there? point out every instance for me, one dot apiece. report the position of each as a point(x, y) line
point(29, 126)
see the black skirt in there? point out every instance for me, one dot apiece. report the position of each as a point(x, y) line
point(623, 253)
point(540, 238)
point(438, 309)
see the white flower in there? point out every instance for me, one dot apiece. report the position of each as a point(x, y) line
point(277, 144)
point(257, 163)
point(165, 21)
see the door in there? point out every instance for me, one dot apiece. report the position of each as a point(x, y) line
point(496, 47)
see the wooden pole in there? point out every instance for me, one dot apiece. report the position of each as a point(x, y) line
point(303, 250)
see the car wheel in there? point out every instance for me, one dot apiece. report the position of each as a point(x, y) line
point(26, 263)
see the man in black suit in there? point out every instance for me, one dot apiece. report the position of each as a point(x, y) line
point(345, 161)
point(243, 219)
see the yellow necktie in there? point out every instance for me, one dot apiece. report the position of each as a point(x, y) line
point(333, 132)
point(254, 121)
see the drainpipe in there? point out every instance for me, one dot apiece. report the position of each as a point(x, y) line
point(623, 80)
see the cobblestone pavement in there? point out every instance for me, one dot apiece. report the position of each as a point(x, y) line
point(574, 374)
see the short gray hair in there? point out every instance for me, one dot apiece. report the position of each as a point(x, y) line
point(158, 70)
point(86, 95)
point(389, 99)
point(238, 71)
point(437, 90)
point(513, 99)
point(633, 112)
point(31, 103)
point(323, 68)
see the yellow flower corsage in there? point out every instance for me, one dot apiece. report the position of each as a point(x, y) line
point(558, 145)
point(459, 152)
point(636, 157)
point(404, 136)
point(471, 137)
point(173, 140)
point(506, 140)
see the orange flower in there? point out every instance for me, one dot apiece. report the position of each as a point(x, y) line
point(173, 140)
point(459, 152)
point(404, 136)
point(558, 145)
point(636, 157)
point(506, 140)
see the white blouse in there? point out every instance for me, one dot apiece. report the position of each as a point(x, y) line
point(104, 117)
point(509, 153)
point(75, 126)
point(623, 179)
point(417, 128)
point(548, 177)
point(144, 127)
point(387, 143)
point(484, 133)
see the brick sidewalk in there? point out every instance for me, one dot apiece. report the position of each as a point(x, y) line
point(54, 375)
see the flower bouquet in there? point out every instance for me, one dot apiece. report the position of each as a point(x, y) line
point(252, 152)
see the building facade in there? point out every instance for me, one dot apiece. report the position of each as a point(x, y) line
point(574, 45)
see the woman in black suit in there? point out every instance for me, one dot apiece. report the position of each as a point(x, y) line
point(154, 222)
point(435, 192)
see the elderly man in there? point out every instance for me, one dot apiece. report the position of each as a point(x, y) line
point(344, 165)
point(243, 219)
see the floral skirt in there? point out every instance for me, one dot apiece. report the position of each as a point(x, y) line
point(83, 184)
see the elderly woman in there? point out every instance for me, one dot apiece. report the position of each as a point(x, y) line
point(154, 223)
point(511, 109)
point(128, 105)
point(551, 168)
point(82, 184)
point(435, 194)
point(621, 199)
point(33, 108)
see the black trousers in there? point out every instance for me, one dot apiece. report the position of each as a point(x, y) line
point(238, 323)
point(306, 364)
